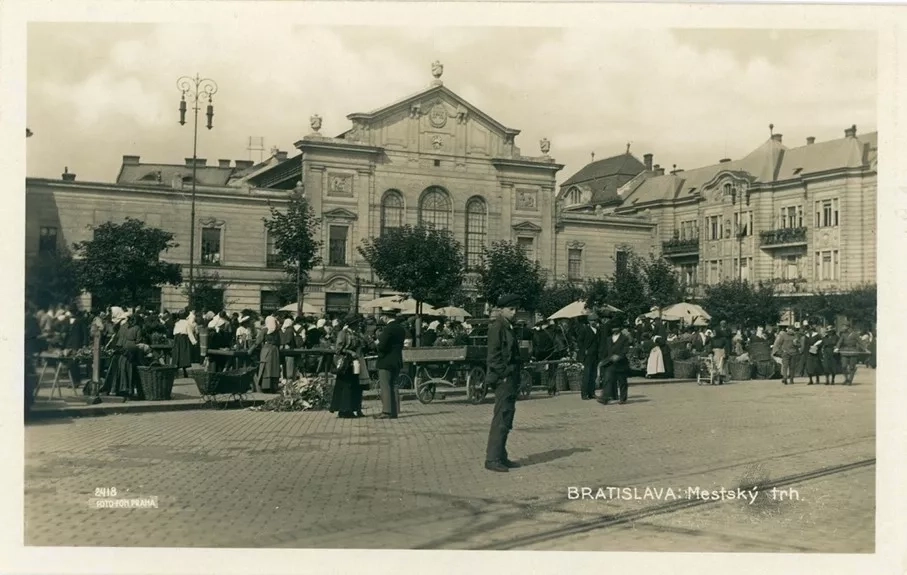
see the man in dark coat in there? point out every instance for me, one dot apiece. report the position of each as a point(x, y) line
point(76, 337)
point(503, 374)
point(615, 363)
point(588, 344)
point(390, 362)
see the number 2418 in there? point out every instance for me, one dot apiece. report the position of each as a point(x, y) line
point(105, 492)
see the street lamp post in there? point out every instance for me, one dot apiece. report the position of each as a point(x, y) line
point(196, 89)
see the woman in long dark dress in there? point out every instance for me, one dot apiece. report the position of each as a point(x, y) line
point(268, 342)
point(347, 397)
point(125, 373)
point(827, 351)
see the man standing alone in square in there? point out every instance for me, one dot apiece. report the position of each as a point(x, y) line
point(503, 374)
point(390, 362)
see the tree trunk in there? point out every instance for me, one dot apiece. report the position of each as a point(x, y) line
point(418, 336)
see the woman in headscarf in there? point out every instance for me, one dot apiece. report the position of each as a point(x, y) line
point(183, 343)
point(123, 377)
point(268, 342)
point(347, 398)
point(243, 336)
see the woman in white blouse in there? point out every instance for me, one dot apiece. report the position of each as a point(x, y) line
point(183, 343)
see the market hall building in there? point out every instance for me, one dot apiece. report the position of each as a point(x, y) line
point(431, 158)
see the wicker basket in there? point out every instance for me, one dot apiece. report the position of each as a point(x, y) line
point(157, 381)
point(686, 368)
point(740, 370)
point(574, 377)
point(767, 369)
point(237, 381)
point(560, 380)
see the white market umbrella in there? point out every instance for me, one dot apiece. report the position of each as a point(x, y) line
point(453, 311)
point(690, 313)
point(307, 309)
point(408, 307)
point(578, 309)
point(389, 301)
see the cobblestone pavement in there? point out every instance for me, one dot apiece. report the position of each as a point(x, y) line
point(251, 479)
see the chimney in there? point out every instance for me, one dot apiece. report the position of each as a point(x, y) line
point(199, 162)
point(810, 140)
point(647, 159)
point(851, 132)
point(724, 160)
point(223, 163)
point(281, 156)
point(659, 171)
point(67, 177)
point(776, 137)
point(131, 160)
point(244, 164)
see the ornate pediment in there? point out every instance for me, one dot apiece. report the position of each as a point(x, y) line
point(340, 214)
point(727, 184)
point(527, 227)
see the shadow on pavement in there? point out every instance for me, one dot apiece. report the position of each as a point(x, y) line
point(549, 456)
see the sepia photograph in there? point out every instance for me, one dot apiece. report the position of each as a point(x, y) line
point(436, 286)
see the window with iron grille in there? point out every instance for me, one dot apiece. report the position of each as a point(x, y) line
point(476, 231)
point(434, 209)
point(392, 211)
point(47, 241)
point(337, 245)
point(574, 264)
point(211, 240)
point(273, 259)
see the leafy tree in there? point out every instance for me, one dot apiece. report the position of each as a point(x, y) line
point(208, 293)
point(51, 279)
point(629, 288)
point(741, 303)
point(559, 295)
point(859, 305)
point(122, 264)
point(506, 269)
point(662, 284)
point(424, 262)
point(598, 292)
point(295, 233)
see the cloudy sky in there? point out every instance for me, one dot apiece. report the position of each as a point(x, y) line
point(690, 97)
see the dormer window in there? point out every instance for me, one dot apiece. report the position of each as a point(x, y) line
point(728, 189)
point(574, 197)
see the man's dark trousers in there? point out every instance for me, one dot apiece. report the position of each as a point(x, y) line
point(387, 378)
point(615, 383)
point(590, 373)
point(502, 422)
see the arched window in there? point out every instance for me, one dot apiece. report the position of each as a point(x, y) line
point(476, 232)
point(574, 197)
point(391, 210)
point(434, 209)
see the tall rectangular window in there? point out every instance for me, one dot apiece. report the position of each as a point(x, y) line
point(827, 213)
point(790, 267)
point(575, 264)
point(621, 259)
point(792, 217)
point(713, 277)
point(47, 241)
point(688, 230)
point(272, 257)
point(528, 246)
point(827, 266)
point(337, 245)
point(211, 251)
point(688, 274)
point(743, 224)
point(744, 269)
point(714, 227)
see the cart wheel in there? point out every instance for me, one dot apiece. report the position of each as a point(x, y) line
point(404, 381)
point(476, 389)
point(525, 384)
point(426, 393)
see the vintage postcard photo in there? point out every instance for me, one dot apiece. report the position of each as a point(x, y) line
point(335, 281)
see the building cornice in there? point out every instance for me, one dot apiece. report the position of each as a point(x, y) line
point(336, 145)
point(543, 165)
point(218, 193)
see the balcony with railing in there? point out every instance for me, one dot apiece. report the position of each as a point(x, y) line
point(680, 247)
point(782, 238)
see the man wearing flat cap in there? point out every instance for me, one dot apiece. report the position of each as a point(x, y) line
point(503, 375)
